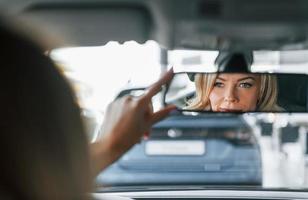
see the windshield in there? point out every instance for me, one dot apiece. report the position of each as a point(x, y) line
point(267, 150)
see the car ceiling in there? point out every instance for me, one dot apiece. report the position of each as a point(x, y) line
point(175, 24)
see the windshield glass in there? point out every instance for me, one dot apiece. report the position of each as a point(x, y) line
point(267, 150)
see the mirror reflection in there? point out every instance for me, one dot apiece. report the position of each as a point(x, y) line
point(238, 92)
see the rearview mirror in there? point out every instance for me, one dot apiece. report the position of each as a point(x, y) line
point(238, 92)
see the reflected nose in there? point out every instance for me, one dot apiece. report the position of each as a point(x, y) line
point(230, 95)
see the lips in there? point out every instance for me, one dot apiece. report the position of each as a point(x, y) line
point(229, 110)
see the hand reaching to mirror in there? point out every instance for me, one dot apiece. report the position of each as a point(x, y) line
point(126, 121)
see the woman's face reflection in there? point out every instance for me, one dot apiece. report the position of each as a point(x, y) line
point(235, 92)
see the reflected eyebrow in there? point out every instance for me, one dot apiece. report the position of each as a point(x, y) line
point(249, 77)
point(241, 79)
point(221, 78)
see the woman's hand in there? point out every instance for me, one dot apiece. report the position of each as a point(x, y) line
point(126, 121)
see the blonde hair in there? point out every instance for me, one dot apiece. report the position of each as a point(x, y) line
point(43, 145)
point(267, 99)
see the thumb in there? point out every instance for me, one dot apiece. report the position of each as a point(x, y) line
point(159, 115)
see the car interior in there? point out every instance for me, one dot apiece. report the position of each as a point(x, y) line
point(195, 155)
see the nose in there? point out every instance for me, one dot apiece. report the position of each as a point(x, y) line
point(230, 95)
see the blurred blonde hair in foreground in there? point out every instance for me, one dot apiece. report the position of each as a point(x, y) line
point(43, 146)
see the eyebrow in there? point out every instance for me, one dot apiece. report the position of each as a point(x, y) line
point(241, 79)
point(249, 77)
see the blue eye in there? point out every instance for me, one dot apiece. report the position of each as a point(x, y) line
point(245, 85)
point(218, 84)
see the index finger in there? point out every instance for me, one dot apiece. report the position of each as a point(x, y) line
point(156, 87)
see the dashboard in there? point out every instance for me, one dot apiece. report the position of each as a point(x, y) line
point(203, 195)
